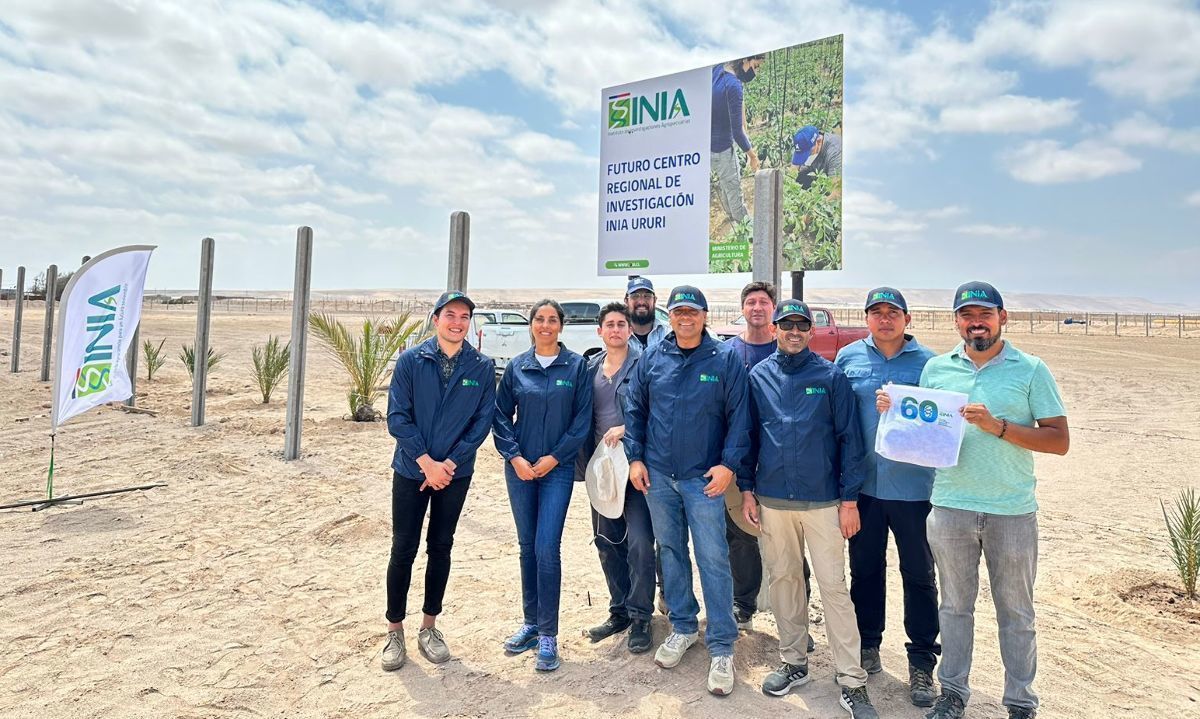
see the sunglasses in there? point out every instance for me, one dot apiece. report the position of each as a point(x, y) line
point(789, 325)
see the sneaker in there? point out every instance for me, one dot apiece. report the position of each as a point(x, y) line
point(784, 679)
point(522, 640)
point(394, 652)
point(615, 623)
point(1021, 713)
point(920, 687)
point(720, 676)
point(639, 636)
point(948, 706)
point(744, 619)
point(670, 652)
point(547, 656)
point(858, 703)
point(869, 661)
point(432, 644)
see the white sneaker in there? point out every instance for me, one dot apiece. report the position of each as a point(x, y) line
point(720, 676)
point(670, 652)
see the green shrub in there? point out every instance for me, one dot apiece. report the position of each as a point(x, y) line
point(1183, 534)
point(188, 356)
point(154, 357)
point(365, 357)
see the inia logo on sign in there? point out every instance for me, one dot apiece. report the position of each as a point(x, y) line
point(926, 411)
point(95, 374)
point(629, 110)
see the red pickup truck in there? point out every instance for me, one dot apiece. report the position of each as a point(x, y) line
point(828, 335)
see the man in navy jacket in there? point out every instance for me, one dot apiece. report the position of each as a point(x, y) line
point(686, 435)
point(440, 409)
point(805, 472)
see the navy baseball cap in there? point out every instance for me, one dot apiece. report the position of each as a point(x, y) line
point(977, 293)
point(448, 297)
point(639, 283)
point(803, 142)
point(887, 295)
point(788, 308)
point(687, 296)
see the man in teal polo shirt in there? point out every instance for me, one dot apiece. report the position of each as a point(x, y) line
point(895, 497)
point(985, 504)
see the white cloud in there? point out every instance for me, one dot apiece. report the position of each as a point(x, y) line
point(1048, 161)
point(1009, 114)
point(999, 231)
point(1141, 130)
point(1193, 199)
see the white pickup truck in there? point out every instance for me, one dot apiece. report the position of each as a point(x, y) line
point(509, 336)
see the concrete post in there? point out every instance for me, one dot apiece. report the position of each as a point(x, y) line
point(300, 291)
point(17, 316)
point(203, 318)
point(48, 327)
point(767, 250)
point(460, 243)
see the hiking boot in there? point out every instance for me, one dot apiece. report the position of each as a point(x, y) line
point(948, 706)
point(744, 619)
point(812, 646)
point(639, 636)
point(1021, 713)
point(522, 640)
point(858, 703)
point(615, 623)
point(920, 687)
point(670, 652)
point(720, 676)
point(547, 656)
point(432, 644)
point(787, 677)
point(394, 652)
point(869, 661)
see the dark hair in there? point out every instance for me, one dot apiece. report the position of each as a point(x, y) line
point(542, 303)
point(760, 56)
point(614, 307)
point(759, 287)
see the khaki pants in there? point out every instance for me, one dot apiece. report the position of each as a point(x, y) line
point(784, 534)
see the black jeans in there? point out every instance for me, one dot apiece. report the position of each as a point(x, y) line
point(745, 563)
point(627, 556)
point(868, 576)
point(408, 514)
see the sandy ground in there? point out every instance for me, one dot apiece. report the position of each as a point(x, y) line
point(254, 587)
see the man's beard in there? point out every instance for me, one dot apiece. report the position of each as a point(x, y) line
point(983, 344)
point(642, 315)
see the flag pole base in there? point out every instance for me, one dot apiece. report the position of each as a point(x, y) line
point(40, 504)
point(47, 504)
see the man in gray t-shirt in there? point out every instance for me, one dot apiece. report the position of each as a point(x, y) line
point(816, 152)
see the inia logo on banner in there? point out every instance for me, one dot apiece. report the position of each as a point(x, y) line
point(628, 110)
point(95, 374)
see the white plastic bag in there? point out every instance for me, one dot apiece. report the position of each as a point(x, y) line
point(923, 426)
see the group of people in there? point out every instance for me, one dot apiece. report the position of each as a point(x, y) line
point(761, 426)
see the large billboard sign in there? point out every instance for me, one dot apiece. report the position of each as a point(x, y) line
point(678, 155)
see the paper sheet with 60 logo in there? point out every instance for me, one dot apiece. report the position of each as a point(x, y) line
point(923, 426)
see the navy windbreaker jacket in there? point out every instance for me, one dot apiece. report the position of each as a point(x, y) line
point(553, 407)
point(447, 423)
point(685, 415)
point(807, 443)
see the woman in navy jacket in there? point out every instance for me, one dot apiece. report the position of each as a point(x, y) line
point(548, 391)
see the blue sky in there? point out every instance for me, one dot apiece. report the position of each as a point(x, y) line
point(1047, 147)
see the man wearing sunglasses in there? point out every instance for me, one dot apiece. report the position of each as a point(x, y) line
point(805, 470)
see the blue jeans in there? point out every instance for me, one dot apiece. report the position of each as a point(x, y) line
point(539, 509)
point(677, 506)
point(1009, 545)
point(626, 548)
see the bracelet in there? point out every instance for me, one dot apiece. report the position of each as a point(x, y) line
point(1003, 428)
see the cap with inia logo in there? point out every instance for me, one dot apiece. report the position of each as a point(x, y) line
point(980, 294)
point(687, 296)
point(887, 295)
point(789, 308)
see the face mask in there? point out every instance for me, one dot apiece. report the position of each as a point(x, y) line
point(745, 75)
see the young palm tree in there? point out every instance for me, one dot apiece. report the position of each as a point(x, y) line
point(1183, 533)
point(365, 357)
point(270, 365)
point(188, 357)
point(154, 357)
